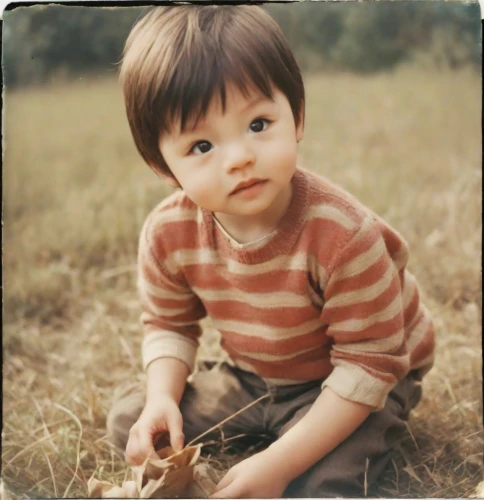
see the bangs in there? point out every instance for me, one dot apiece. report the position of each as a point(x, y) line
point(190, 100)
point(205, 75)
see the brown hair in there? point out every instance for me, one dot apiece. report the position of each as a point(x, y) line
point(176, 58)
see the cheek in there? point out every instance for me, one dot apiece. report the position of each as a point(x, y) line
point(282, 155)
point(201, 188)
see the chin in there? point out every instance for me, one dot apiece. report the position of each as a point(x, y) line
point(255, 210)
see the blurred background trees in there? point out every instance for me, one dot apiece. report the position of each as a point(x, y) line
point(46, 42)
point(372, 36)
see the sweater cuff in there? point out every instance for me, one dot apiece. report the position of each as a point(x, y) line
point(166, 344)
point(355, 384)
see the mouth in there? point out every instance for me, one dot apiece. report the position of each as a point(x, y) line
point(246, 185)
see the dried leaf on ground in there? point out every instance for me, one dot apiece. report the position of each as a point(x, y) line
point(97, 489)
point(479, 493)
point(173, 474)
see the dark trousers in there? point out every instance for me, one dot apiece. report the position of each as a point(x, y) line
point(217, 393)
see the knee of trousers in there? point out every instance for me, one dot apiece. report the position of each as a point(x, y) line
point(341, 481)
point(325, 483)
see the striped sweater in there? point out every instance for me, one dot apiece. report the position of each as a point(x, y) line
point(325, 296)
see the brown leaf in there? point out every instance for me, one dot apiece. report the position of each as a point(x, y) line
point(131, 489)
point(115, 492)
point(188, 456)
point(174, 483)
point(479, 492)
point(104, 489)
point(172, 475)
point(153, 488)
point(137, 473)
point(96, 488)
point(167, 476)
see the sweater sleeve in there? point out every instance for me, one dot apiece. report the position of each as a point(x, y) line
point(364, 313)
point(170, 310)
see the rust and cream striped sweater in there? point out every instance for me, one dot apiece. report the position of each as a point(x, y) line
point(326, 295)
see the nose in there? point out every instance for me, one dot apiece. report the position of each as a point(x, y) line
point(238, 156)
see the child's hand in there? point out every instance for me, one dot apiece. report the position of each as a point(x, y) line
point(255, 477)
point(158, 417)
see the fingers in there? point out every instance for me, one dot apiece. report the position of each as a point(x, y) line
point(146, 431)
point(175, 428)
point(146, 445)
point(140, 446)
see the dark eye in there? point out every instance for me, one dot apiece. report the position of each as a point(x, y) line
point(201, 147)
point(258, 125)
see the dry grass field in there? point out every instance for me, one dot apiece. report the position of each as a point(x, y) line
point(408, 144)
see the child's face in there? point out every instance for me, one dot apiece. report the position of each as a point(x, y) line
point(254, 142)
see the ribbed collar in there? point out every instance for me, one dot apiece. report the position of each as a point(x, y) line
point(284, 237)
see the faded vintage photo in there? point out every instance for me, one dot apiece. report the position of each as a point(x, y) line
point(242, 250)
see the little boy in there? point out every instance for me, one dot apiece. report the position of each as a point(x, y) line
point(308, 288)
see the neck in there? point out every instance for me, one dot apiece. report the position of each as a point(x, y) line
point(246, 229)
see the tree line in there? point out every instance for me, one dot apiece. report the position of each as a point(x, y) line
point(43, 42)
